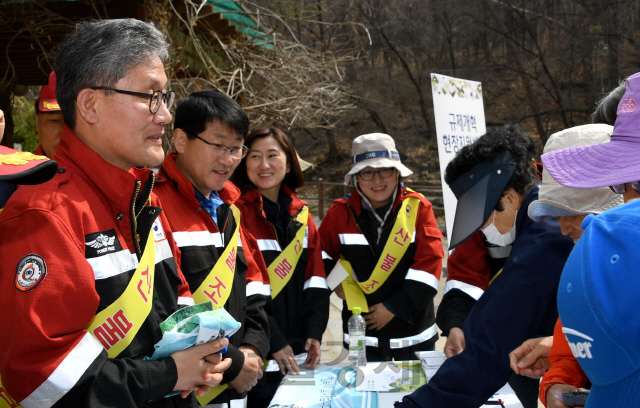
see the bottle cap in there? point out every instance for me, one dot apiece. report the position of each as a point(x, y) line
point(356, 310)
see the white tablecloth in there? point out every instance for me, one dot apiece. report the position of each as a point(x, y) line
point(313, 389)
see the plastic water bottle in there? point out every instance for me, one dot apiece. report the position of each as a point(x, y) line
point(357, 348)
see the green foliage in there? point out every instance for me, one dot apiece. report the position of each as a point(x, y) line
point(24, 119)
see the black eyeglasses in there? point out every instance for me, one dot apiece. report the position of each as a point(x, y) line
point(368, 175)
point(622, 188)
point(155, 98)
point(237, 153)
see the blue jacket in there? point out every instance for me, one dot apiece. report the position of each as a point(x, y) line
point(518, 305)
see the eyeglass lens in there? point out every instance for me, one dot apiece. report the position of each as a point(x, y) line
point(622, 188)
point(235, 152)
point(368, 175)
point(158, 96)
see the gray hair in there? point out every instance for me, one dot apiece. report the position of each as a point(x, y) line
point(100, 53)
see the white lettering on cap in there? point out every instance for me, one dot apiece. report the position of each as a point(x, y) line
point(580, 349)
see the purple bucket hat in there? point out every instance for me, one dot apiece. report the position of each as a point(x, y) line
point(606, 164)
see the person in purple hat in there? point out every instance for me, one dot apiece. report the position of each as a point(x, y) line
point(609, 164)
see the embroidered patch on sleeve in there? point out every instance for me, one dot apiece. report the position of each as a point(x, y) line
point(101, 243)
point(30, 273)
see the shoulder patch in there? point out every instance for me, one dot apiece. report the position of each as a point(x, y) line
point(30, 272)
point(101, 243)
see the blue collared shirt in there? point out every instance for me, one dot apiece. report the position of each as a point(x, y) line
point(210, 204)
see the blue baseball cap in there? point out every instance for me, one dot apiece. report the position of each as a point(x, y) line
point(599, 305)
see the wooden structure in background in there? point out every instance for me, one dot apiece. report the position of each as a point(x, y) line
point(32, 30)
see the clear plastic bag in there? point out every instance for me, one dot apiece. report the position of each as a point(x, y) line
point(575, 398)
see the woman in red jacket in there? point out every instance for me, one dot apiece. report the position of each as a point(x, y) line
point(298, 308)
point(383, 242)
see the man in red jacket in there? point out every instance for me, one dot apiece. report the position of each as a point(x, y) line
point(49, 120)
point(89, 272)
point(220, 260)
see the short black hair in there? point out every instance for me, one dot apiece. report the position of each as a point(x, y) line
point(607, 108)
point(197, 110)
point(509, 138)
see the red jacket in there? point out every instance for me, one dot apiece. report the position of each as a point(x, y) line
point(409, 290)
point(200, 242)
point(564, 369)
point(50, 358)
point(301, 309)
point(468, 276)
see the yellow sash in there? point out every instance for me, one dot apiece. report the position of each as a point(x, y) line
point(117, 325)
point(217, 285)
point(216, 288)
point(394, 250)
point(281, 269)
point(5, 399)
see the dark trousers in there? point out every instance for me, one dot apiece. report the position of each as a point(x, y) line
point(526, 389)
point(261, 395)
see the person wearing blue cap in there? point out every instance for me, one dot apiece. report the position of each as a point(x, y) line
point(494, 180)
point(598, 304)
point(597, 293)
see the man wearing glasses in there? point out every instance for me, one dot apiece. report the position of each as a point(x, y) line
point(219, 259)
point(89, 271)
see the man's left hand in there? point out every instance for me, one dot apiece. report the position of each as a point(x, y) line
point(312, 346)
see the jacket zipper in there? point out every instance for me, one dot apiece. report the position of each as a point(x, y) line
point(275, 232)
point(355, 220)
point(134, 221)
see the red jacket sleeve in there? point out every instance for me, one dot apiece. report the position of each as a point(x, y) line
point(256, 324)
point(467, 265)
point(564, 366)
point(468, 277)
point(329, 236)
point(256, 267)
point(52, 318)
point(316, 292)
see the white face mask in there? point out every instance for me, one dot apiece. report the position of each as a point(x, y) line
point(495, 237)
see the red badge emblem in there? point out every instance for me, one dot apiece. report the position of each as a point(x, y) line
point(627, 105)
point(30, 272)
